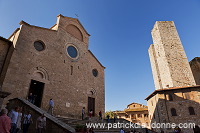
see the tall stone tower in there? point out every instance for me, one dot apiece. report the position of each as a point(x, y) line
point(169, 63)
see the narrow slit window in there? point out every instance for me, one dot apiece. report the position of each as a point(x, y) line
point(71, 70)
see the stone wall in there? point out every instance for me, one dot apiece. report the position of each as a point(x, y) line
point(160, 107)
point(5, 52)
point(169, 63)
point(69, 82)
point(195, 66)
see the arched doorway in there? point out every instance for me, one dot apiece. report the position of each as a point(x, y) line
point(36, 88)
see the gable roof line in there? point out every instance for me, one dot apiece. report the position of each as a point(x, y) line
point(75, 19)
point(13, 33)
point(96, 58)
point(25, 23)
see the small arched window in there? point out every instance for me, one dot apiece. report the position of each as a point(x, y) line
point(173, 112)
point(191, 110)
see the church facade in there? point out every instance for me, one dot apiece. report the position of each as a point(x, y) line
point(53, 64)
point(176, 98)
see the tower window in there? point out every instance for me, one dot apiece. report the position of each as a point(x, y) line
point(71, 70)
point(173, 112)
point(191, 110)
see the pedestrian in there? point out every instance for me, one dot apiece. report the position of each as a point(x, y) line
point(51, 106)
point(177, 130)
point(83, 113)
point(108, 118)
point(41, 124)
point(85, 129)
point(13, 116)
point(196, 129)
point(100, 115)
point(19, 120)
point(31, 98)
point(114, 119)
point(34, 99)
point(90, 113)
point(91, 130)
point(132, 131)
point(5, 122)
point(27, 120)
point(122, 130)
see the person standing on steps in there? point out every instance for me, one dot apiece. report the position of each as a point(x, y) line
point(5, 122)
point(100, 115)
point(90, 114)
point(108, 118)
point(122, 130)
point(31, 98)
point(13, 116)
point(27, 120)
point(19, 120)
point(41, 124)
point(114, 119)
point(83, 113)
point(51, 106)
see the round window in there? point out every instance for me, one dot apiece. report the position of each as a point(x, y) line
point(39, 46)
point(72, 51)
point(95, 72)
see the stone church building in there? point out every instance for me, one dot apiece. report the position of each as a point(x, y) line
point(176, 98)
point(53, 63)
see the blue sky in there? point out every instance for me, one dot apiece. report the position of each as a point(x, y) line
point(120, 35)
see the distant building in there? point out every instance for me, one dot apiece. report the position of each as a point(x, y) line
point(176, 98)
point(53, 63)
point(136, 113)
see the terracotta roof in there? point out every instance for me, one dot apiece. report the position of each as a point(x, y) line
point(120, 112)
point(170, 89)
point(136, 109)
point(135, 103)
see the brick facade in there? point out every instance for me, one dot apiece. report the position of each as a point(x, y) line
point(68, 81)
point(195, 67)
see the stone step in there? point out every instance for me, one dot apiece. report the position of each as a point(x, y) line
point(78, 122)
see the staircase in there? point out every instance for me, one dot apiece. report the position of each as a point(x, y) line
point(78, 122)
point(68, 125)
point(53, 124)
